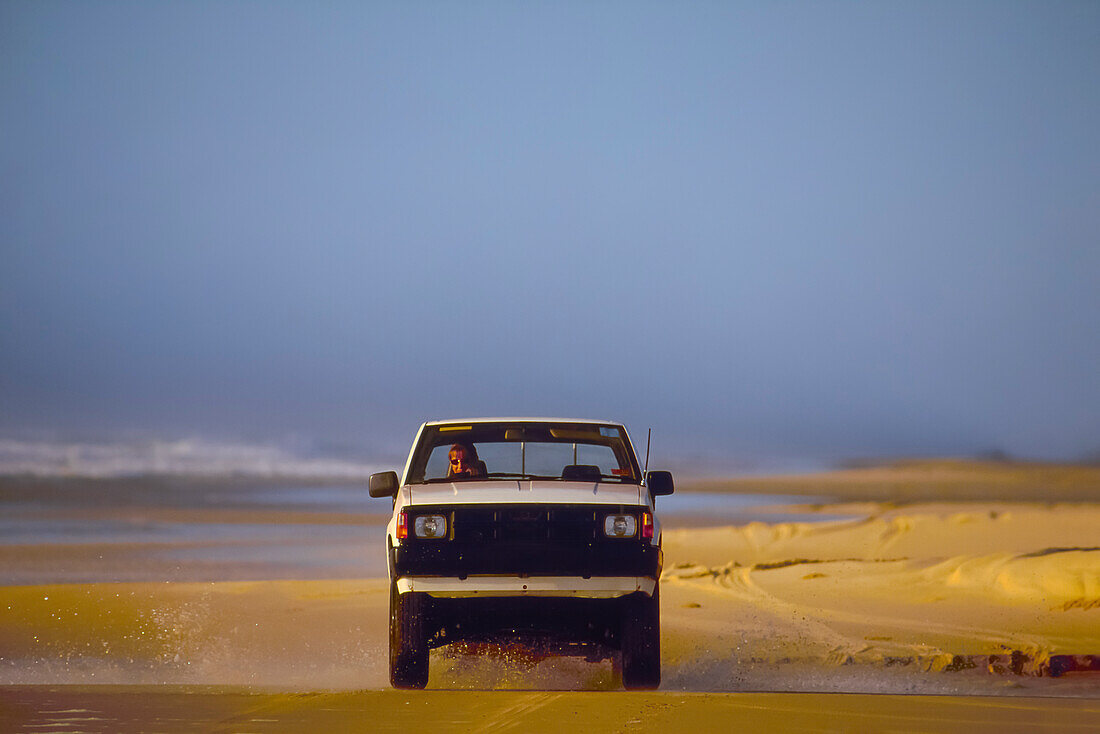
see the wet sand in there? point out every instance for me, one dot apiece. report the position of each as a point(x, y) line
point(988, 609)
point(125, 709)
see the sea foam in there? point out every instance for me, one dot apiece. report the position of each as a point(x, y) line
point(189, 457)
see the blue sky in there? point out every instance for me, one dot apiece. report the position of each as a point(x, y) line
point(783, 230)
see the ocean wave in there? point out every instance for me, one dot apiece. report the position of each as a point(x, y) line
point(189, 457)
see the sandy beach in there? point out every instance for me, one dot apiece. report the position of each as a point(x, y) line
point(983, 607)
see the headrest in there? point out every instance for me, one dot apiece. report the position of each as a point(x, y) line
point(581, 473)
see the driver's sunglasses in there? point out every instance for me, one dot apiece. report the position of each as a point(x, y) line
point(457, 461)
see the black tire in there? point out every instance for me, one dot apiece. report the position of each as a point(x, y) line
point(641, 641)
point(408, 643)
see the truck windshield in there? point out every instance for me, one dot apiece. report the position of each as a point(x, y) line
point(581, 452)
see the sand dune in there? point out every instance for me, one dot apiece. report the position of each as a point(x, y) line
point(930, 586)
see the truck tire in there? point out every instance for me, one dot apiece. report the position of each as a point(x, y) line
point(641, 642)
point(408, 643)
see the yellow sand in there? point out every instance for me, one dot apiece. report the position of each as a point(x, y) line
point(914, 588)
point(926, 480)
point(919, 585)
point(929, 596)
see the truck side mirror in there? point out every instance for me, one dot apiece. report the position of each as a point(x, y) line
point(659, 483)
point(383, 484)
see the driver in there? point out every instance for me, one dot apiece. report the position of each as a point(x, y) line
point(464, 462)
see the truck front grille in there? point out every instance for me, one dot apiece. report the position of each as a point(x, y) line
point(531, 540)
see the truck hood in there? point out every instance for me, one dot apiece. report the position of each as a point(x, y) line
point(532, 491)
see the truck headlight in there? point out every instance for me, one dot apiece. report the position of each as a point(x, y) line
point(620, 526)
point(430, 526)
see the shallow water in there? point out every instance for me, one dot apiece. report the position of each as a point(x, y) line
point(53, 530)
point(287, 532)
point(198, 533)
point(339, 498)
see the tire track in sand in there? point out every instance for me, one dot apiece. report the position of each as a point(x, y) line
point(809, 623)
point(517, 716)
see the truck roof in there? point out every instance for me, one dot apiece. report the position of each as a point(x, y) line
point(515, 419)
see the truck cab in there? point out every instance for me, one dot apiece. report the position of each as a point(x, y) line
point(538, 529)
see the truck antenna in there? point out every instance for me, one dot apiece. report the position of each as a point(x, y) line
point(648, 435)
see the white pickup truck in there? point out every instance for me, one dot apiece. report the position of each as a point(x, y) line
point(537, 529)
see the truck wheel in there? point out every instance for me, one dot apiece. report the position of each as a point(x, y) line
point(408, 644)
point(641, 642)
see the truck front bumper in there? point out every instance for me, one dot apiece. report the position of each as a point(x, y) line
point(600, 587)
